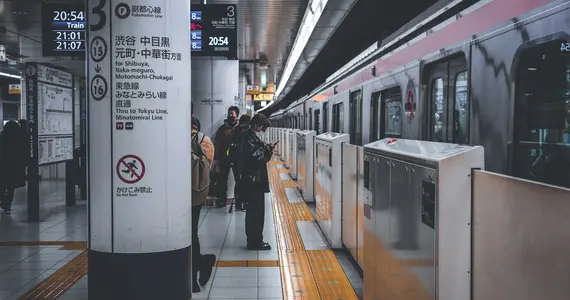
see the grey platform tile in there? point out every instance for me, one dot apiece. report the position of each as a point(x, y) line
point(5, 294)
point(234, 282)
point(269, 282)
point(270, 293)
point(284, 176)
point(33, 265)
point(312, 238)
point(234, 293)
point(293, 195)
point(270, 272)
point(235, 272)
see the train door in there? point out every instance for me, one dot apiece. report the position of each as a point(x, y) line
point(326, 117)
point(541, 146)
point(448, 106)
point(317, 120)
point(338, 118)
point(386, 114)
point(355, 117)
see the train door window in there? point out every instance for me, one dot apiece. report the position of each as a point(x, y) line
point(326, 117)
point(448, 102)
point(338, 118)
point(355, 118)
point(317, 119)
point(375, 117)
point(310, 118)
point(387, 113)
point(541, 149)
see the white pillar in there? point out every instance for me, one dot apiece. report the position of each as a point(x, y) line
point(139, 149)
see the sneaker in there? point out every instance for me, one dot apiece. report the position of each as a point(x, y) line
point(207, 268)
point(262, 247)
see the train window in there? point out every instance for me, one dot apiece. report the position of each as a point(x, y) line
point(317, 119)
point(375, 117)
point(437, 108)
point(326, 117)
point(448, 108)
point(355, 118)
point(338, 118)
point(310, 118)
point(387, 114)
point(300, 125)
point(461, 109)
point(541, 149)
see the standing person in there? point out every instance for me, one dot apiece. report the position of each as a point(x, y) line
point(255, 181)
point(221, 159)
point(12, 164)
point(202, 158)
point(234, 154)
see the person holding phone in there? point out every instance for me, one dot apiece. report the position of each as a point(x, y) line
point(252, 166)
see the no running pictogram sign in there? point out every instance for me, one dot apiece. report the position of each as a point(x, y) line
point(130, 169)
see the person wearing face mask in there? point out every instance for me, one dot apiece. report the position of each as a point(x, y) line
point(222, 162)
point(252, 167)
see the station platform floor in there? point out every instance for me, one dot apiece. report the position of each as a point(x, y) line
point(48, 260)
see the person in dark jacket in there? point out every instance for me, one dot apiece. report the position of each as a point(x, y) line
point(235, 146)
point(12, 164)
point(255, 155)
point(221, 159)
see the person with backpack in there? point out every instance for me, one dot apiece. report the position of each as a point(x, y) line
point(202, 158)
point(221, 160)
point(234, 153)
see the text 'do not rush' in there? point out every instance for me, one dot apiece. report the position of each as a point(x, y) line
point(130, 169)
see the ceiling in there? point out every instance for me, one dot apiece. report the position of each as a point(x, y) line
point(368, 21)
point(267, 30)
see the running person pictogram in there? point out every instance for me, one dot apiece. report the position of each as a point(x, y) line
point(130, 169)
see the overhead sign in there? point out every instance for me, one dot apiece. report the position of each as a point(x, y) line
point(14, 89)
point(214, 30)
point(252, 90)
point(64, 29)
point(263, 97)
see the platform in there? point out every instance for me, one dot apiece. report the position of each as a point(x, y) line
point(48, 260)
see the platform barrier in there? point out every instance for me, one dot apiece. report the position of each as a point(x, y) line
point(352, 204)
point(305, 164)
point(417, 233)
point(521, 238)
point(328, 183)
point(292, 152)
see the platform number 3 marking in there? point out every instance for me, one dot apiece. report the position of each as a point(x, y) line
point(231, 11)
point(98, 10)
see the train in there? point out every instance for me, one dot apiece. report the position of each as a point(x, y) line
point(494, 73)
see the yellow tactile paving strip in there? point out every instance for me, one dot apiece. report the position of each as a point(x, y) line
point(247, 263)
point(305, 274)
point(65, 245)
point(60, 281)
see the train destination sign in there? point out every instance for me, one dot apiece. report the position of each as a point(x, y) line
point(213, 30)
point(63, 29)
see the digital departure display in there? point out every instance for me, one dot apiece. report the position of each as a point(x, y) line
point(64, 28)
point(213, 30)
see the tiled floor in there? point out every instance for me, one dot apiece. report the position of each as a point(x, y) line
point(223, 234)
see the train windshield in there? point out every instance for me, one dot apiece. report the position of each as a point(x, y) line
point(542, 114)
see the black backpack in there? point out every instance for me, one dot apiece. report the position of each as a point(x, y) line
point(235, 143)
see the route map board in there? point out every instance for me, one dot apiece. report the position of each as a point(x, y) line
point(50, 111)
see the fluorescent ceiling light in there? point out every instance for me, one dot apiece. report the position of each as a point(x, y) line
point(312, 16)
point(10, 75)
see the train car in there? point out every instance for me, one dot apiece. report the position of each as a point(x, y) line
point(496, 74)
